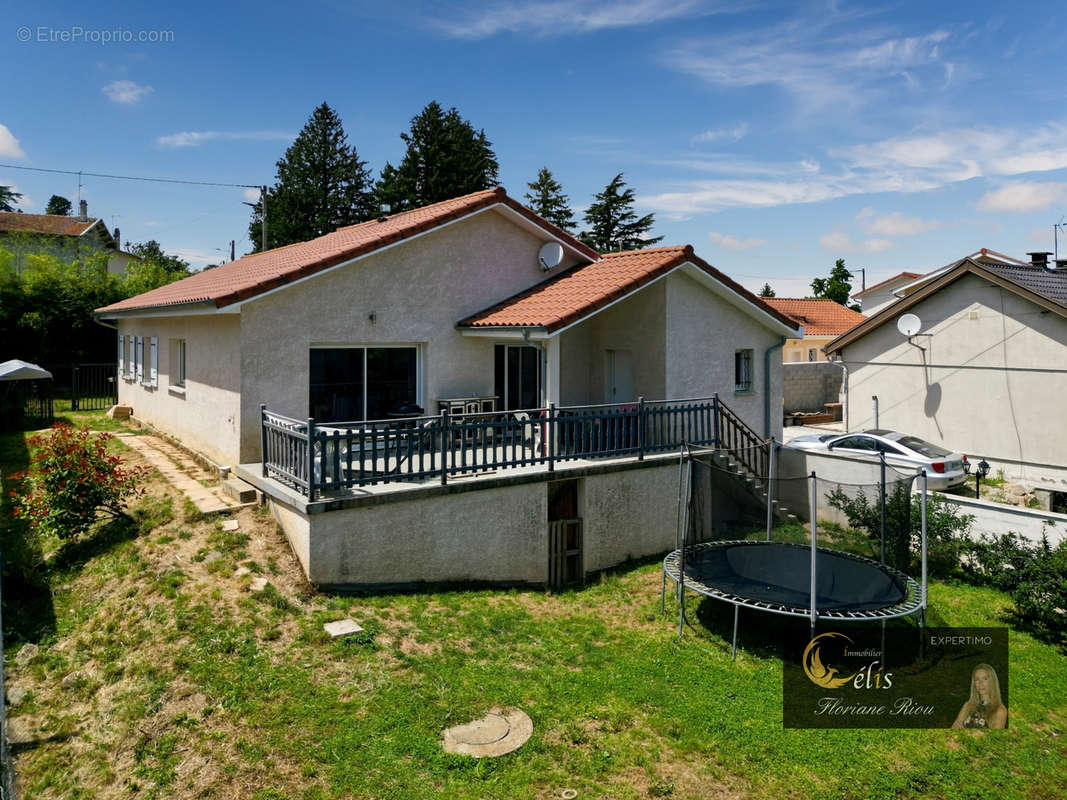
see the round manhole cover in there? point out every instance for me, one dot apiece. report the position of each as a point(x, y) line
point(498, 732)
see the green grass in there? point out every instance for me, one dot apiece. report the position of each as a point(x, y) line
point(94, 420)
point(187, 670)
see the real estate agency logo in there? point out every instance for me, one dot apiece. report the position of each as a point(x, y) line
point(830, 647)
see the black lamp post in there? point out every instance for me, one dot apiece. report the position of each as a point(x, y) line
point(980, 472)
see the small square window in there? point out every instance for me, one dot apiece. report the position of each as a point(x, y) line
point(743, 371)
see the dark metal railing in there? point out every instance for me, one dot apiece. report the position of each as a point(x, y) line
point(313, 457)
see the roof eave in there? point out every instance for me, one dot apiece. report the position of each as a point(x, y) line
point(164, 310)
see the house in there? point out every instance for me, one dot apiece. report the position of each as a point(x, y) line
point(985, 374)
point(66, 237)
point(874, 298)
point(822, 320)
point(471, 304)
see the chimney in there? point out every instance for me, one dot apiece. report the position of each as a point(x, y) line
point(1061, 263)
point(1039, 259)
point(83, 210)
point(118, 239)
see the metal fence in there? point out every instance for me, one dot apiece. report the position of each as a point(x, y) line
point(314, 458)
point(91, 387)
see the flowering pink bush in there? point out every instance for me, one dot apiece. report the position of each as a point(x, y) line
point(71, 479)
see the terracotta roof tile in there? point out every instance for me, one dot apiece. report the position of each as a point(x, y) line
point(818, 316)
point(259, 272)
point(581, 290)
point(52, 224)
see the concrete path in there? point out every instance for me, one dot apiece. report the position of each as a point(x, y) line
point(179, 469)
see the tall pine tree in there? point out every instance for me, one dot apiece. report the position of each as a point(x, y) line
point(446, 157)
point(613, 223)
point(321, 185)
point(547, 200)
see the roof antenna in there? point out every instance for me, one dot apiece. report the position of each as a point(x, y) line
point(1056, 228)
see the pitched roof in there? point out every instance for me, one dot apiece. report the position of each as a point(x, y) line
point(1046, 288)
point(260, 272)
point(907, 275)
point(581, 290)
point(820, 317)
point(51, 224)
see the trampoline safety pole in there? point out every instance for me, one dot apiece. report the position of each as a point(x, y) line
point(922, 613)
point(814, 542)
point(733, 648)
point(770, 486)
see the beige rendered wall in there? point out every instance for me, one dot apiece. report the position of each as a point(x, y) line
point(636, 324)
point(993, 384)
point(796, 350)
point(205, 416)
point(498, 535)
point(628, 514)
point(417, 292)
point(703, 333)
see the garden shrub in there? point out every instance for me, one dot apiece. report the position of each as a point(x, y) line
point(946, 527)
point(1040, 593)
point(72, 479)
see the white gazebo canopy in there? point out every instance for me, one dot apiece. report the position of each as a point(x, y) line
point(18, 370)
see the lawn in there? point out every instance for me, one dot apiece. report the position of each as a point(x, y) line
point(160, 675)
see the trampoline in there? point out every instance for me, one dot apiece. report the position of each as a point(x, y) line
point(799, 580)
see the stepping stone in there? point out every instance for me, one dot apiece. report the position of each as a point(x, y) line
point(342, 627)
point(258, 584)
point(25, 655)
point(499, 732)
point(230, 525)
point(240, 572)
point(212, 556)
point(15, 696)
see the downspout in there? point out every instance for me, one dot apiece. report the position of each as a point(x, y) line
point(767, 385)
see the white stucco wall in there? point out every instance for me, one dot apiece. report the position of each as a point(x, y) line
point(628, 514)
point(703, 333)
point(205, 416)
point(993, 385)
point(417, 291)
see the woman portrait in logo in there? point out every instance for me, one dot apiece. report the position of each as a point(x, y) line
point(984, 708)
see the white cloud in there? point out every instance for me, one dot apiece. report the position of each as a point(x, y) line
point(895, 224)
point(733, 243)
point(9, 145)
point(898, 164)
point(127, 93)
point(567, 17)
point(199, 258)
point(727, 135)
point(1023, 197)
point(839, 242)
point(832, 62)
point(197, 138)
point(252, 195)
point(23, 202)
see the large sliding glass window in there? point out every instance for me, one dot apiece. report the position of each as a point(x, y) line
point(518, 376)
point(361, 383)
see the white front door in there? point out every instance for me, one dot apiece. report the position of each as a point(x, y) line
point(618, 376)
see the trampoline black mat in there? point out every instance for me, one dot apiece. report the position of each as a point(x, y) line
point(777, 576)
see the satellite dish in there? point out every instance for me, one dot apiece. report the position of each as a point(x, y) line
point(909, 324)
point(550, 255)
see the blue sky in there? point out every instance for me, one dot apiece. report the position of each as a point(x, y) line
point(773, 137)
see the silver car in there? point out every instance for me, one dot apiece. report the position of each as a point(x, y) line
point(944, 469)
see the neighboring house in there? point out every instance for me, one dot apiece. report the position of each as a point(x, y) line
point(66, 237)
point(475, 301)
point(822, 319)
point(986, 374)
point(874, 298)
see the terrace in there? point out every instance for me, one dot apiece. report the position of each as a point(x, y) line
point(336, 459)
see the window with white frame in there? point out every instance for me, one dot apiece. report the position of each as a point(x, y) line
point(743, 371)
point(177, 363)
point(146, 351)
